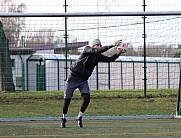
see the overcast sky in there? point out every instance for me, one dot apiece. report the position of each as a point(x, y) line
point(104, 5)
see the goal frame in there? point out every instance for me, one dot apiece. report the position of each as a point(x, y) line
point(89, 14)
point(103, 14)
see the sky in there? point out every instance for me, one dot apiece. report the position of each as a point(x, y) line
point(128, 5)
point(159, 29)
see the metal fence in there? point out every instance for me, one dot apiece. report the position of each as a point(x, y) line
point(125, 73)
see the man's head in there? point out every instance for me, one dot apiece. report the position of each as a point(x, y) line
point(96, 43)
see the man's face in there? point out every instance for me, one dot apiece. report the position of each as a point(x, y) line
point(97, 46)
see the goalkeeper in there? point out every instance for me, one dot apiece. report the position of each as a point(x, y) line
point(79, 74)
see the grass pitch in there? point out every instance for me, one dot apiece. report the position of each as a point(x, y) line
point(137, 128)
point(103, 103)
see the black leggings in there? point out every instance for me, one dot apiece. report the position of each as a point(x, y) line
point(86, 98)
point(86, 102)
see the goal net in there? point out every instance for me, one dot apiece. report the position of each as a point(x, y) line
point(42, 46)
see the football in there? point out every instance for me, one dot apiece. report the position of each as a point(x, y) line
point(122, 47)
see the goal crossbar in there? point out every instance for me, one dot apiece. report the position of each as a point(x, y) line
point(88, 14)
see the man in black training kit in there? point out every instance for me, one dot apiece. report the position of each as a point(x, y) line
point(80, 71)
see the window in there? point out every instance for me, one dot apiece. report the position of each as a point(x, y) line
point(12, 63)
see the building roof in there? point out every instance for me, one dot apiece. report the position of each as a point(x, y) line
point(21, 51)
point(148, 59)
point(121, 58)
point(59, 46)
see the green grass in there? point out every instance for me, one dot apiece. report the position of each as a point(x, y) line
point(49, 104)
point(117, 102)
point(131, 128)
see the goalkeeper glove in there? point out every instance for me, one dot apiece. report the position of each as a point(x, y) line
point(115, 44)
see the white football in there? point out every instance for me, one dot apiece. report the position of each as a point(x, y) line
point(122, 47)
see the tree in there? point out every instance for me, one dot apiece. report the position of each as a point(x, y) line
point(41, 37)
point(177, 54)
point(6, 76)
point(12, 26)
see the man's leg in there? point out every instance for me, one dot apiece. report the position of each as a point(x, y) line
point(86, 101)
point(65, 110)
point(85, 93)
point(66, 106)
point(68, 93)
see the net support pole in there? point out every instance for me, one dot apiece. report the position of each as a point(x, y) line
point(66, 43)
point(144, 37)
point(178, 95)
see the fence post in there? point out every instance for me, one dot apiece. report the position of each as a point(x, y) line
point(121, 74)
point(97, 77)
point(178, 95)
point(109, 75)
point(157, 74)
point(133, 75)
point(168, 75)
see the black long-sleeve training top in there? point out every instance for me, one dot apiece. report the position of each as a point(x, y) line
point(88, 59)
